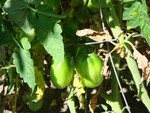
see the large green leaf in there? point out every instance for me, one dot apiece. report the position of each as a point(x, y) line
point(24, 66)
point(142, 92)
point(137, 16)
point(17, 11)
point(48, 31)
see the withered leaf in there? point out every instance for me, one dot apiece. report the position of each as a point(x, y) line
point(105, 70)
point(94, 35)
point(93, 101)
point(143, 64)
point(146, 74)
point(141, 59)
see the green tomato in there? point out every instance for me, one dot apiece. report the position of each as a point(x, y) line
point(61, 73)
point(89, 69)
point(93, 5)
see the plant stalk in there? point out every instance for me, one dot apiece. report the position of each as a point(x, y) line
point(16, 94)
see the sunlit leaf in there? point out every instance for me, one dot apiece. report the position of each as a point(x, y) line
point(49, 33)
point(24, 66)
point(77, 82)
point(25, 43)
point(142, 93)
point(94, 35)
point(137, 16)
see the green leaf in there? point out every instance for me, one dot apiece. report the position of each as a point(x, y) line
point(48, 31)
point(137, 16)
point(142, 92)
point(24, 66)
point(145, 31)
point(133, 14)
point(25, 43)
point(71, 101)
point(17, 11)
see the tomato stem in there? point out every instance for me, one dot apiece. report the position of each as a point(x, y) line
point(47, 14)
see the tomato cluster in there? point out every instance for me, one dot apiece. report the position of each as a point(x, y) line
point(88, 67)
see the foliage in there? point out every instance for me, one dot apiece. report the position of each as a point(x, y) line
point(136, 15)
point(33, 32)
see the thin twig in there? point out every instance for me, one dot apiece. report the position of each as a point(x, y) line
point(92, 43)
point(86, 102)
point(7, 67)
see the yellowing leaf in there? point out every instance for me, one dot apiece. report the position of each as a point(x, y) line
point(39, 94)
point(79, 90)
point(40, 84)
point(77, 82)
point(39, 78)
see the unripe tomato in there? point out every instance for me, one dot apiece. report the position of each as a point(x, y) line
point(89, 69)
point(93, 5)
point(61, 73)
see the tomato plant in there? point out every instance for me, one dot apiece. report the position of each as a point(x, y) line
point(89, 69)
point(34, 31)
point(61, 73)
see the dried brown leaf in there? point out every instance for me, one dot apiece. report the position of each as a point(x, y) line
point(146, 74)
point(94, 35)
point(143, 64)
point(141, 59)
point(93, 102)
point(105, 70)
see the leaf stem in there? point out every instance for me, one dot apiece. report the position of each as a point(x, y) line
point(46, 14)
point(86, 101)
point(7, 67)
point(16, 42)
